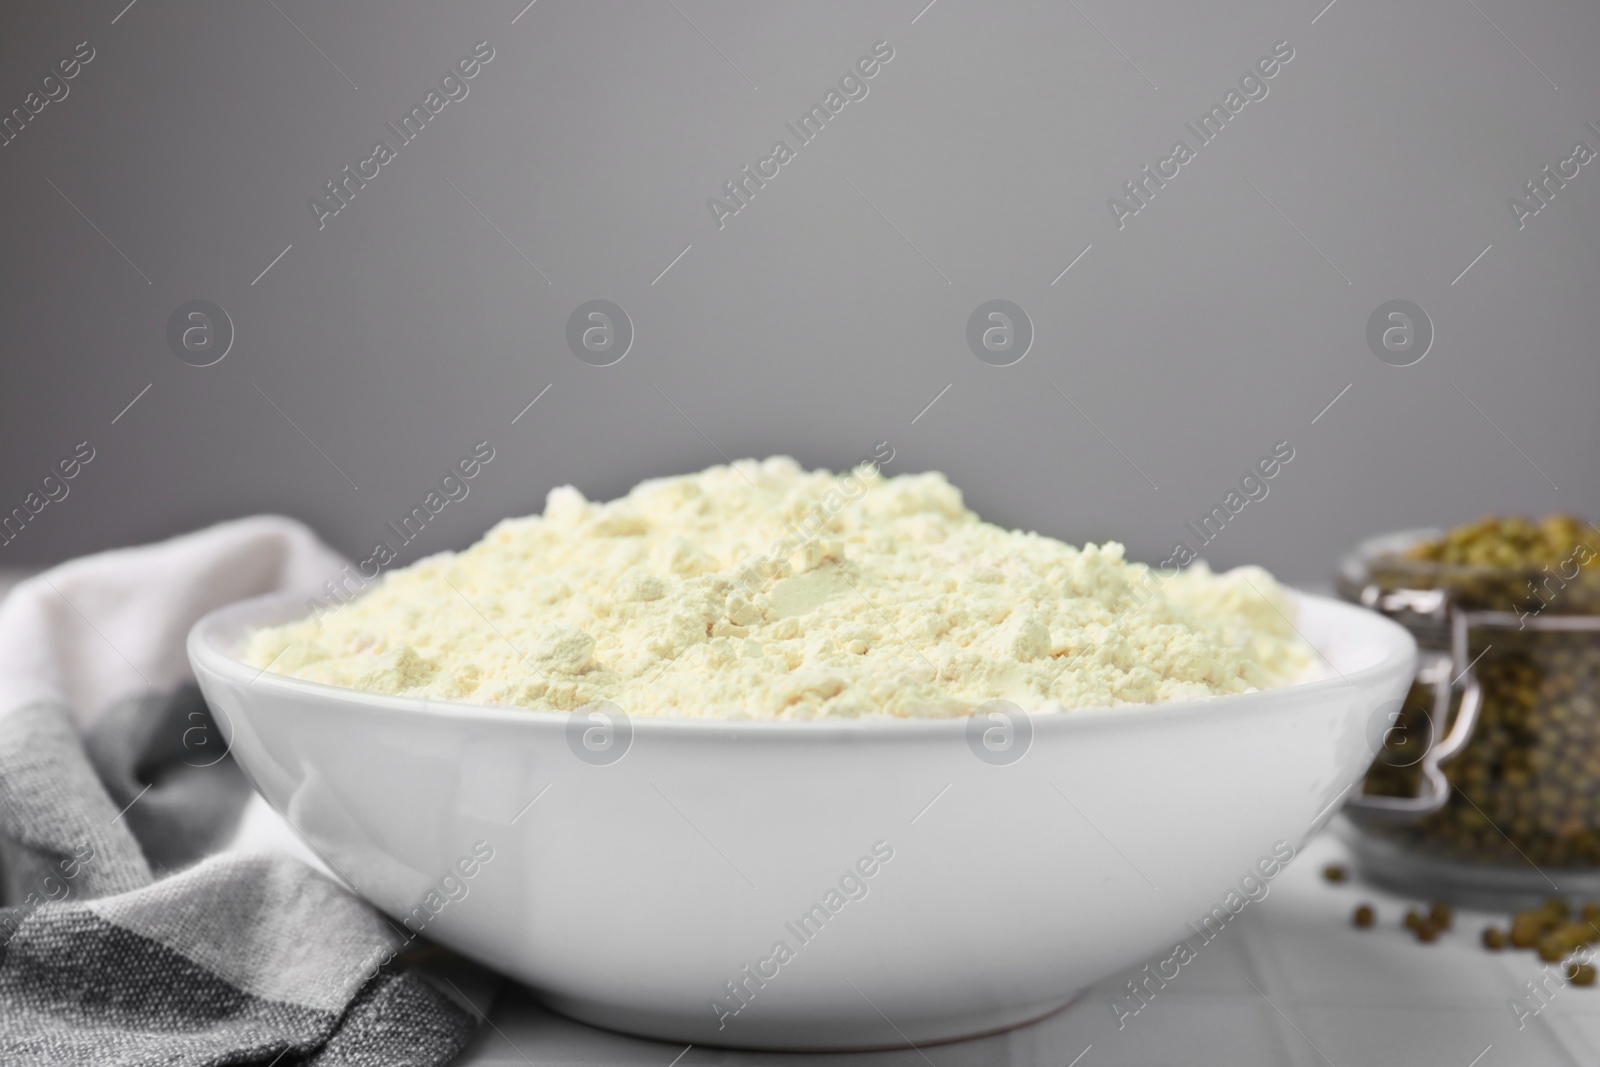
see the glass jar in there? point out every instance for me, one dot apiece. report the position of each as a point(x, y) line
point(1485, 787)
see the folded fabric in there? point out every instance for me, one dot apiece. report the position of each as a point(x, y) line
point(131, 933)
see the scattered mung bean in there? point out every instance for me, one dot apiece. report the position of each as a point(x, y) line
point(1555, 930)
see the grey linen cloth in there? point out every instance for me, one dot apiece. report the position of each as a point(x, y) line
point(131, 931)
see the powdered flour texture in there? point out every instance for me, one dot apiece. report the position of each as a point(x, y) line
point(765, 591)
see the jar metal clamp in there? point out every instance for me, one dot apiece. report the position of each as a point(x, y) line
point(1448, 674)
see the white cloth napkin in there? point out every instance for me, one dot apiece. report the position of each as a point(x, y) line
point(155, 911)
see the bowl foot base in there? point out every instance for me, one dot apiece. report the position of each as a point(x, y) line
point(812, 1033)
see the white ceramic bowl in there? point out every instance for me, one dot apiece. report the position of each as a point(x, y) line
point(632, 892)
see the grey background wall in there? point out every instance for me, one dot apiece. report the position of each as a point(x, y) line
point(825, 315)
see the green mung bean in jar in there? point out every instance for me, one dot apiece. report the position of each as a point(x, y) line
point(1486, 779)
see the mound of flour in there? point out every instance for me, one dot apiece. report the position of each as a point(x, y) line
point(762, 590)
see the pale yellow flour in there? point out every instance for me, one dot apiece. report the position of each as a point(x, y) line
point(761, 590)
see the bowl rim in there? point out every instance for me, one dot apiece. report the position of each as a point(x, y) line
point(206, 658)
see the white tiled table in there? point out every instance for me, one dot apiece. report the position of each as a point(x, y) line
point(1290, 983)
